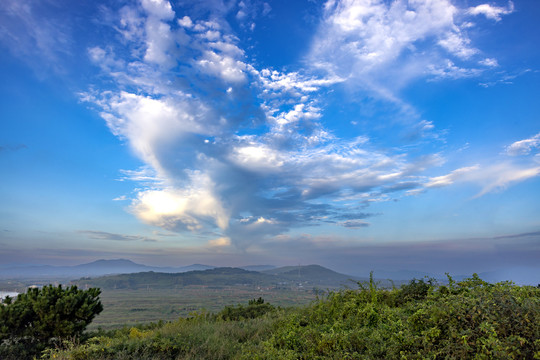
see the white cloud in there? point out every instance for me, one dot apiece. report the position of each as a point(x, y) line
point(375, 32)
point(489, 62)
point(243, 153)
point(145, 174)
point(294, 83)
point(160, 9)
point(381, 46)
point(224, 66)
point(500, 176)
point(176, 209)
point(524, 147)
point(150, 123)
point(257, 157)
point(449, 179)
point(450, 71)
point(491, 12)
point(458, 45)
point(185, 22)
point(159, 43)
point(490, 178)
point(220, 242)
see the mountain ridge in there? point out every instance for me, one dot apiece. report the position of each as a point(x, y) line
point(102, 267)
point(98, 267)
point(219, 277)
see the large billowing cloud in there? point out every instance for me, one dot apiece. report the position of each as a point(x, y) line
point(241, 153)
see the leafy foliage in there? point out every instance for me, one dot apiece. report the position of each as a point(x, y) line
point(256, 308)
point(471, 319)
point(44, 317)
point(422, 320)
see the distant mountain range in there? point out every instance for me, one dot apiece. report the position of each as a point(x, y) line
point(95, 268)
point(520, 275)
point(311, 276)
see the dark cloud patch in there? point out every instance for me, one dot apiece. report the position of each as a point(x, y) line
point(534, 234)
point(401, 187)
point(354, 216)
point(102, 235)
point(354, 224)
point(16, 147)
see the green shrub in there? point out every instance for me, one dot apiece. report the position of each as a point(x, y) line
point(256, 308)
point(45, 317)
point(470, 319)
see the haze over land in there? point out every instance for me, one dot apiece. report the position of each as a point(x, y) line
point(358, 135)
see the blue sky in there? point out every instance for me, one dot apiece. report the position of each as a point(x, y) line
point(355, 134)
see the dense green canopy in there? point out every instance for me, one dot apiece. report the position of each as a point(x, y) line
point(43, 317)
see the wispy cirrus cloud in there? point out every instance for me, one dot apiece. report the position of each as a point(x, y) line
point(490, 178)
point(498, 175)
point(28, 34)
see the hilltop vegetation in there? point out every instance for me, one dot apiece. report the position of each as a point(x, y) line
point(470, 319)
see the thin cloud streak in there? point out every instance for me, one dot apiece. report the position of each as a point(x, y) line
point(102, 235)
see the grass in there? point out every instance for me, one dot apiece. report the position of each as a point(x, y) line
point(130, 307)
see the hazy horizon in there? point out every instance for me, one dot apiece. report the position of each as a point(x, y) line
point(357, 135)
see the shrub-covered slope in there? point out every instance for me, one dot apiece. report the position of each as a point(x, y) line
point(467, 320)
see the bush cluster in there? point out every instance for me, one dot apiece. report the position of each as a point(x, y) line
point(255, 308)
point(470, 319)
point(467, 320)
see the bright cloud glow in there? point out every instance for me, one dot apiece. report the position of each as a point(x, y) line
point(220, 242)
point(170, 208)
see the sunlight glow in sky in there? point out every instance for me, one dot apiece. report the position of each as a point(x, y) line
point(357, 134)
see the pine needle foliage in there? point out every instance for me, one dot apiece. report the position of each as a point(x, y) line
point(45, 317)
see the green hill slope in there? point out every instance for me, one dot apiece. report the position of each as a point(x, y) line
point(303, 276)
point(156, 280)
point(311, 275)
